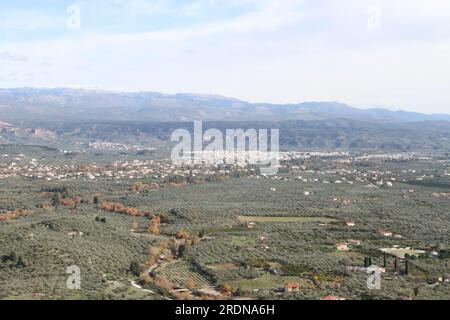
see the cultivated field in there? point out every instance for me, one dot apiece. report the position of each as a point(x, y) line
point(180, 272)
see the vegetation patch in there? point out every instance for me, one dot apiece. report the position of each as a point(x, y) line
point(270, 282)
point(263, 219)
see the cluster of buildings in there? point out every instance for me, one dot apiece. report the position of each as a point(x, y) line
point(110, 146)
point(334, 168)
point(22, 166)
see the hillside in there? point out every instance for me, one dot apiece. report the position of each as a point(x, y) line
point(308, 135)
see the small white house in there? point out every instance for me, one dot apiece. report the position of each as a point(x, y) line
point(350, 223)
point(342, 247)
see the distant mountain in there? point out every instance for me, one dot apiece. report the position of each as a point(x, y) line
point(5, 125)
point(64, 104)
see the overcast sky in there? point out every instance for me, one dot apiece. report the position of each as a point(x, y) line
point(378, 53)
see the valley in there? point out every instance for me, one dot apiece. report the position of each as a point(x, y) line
point(223, 232)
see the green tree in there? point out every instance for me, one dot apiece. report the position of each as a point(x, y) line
point(367, 262)
point(135, 268)
point(406, 265)
point(21, 262)
point(56, 199)
point(13, 256)
point(184, 249)
point(239, 292)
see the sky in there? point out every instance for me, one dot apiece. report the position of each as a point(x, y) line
point(379, 53)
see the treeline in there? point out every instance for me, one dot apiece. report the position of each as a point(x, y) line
point(119, 208)
point(14, 260)
point(10, 215)
point(178, 180)
point(140, 186)
point(62, 190)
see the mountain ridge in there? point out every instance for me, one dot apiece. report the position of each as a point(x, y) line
point(68, 104)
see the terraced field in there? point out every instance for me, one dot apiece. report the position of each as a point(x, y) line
point(180, 271)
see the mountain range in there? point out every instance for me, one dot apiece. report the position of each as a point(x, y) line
point(66, 118)
point(67, 104)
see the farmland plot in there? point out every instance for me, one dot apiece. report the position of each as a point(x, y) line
point(178, 272)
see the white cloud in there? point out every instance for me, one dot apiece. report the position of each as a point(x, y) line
point(13, 57)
